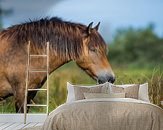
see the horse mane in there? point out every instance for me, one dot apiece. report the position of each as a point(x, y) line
point(65, 37)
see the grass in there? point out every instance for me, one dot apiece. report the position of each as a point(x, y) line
point(154, 77)
point(70, 72)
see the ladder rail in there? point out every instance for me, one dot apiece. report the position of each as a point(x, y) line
point(47, 83)
point(27, 78)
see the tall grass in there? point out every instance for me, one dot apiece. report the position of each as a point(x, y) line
point(154, 78)
point(70, 72)
point(156, 87)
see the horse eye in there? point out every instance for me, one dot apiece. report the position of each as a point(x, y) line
point(93, 49)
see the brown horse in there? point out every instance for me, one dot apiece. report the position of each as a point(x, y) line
point(68, 41)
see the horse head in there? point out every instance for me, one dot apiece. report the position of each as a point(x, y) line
point(93, 59)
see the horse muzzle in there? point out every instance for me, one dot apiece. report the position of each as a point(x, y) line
point(106, 78)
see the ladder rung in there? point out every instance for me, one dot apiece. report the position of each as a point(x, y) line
point(37, 71)
point(38, 55)
point(36, 105)
point(38, 89)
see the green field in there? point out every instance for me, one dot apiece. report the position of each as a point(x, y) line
point(70, 72)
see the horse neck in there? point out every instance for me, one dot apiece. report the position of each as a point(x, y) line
point(56, 62)
point(59, 57)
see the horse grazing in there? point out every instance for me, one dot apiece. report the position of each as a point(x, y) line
point(68, 41)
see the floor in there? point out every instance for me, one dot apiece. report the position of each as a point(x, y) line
point(17, 126)
point(16, 121)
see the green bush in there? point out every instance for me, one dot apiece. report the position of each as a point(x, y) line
point(141, 47)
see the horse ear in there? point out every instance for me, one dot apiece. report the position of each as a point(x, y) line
point(97, 26)
point(89, 28)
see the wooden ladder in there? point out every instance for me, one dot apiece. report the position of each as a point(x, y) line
point(38, 89)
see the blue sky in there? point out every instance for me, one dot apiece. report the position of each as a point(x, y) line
point(113, 14)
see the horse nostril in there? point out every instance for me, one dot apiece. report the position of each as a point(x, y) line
point(111, 79)
point(101, 81)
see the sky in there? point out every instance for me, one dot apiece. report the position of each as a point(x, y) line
point(112, 14)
